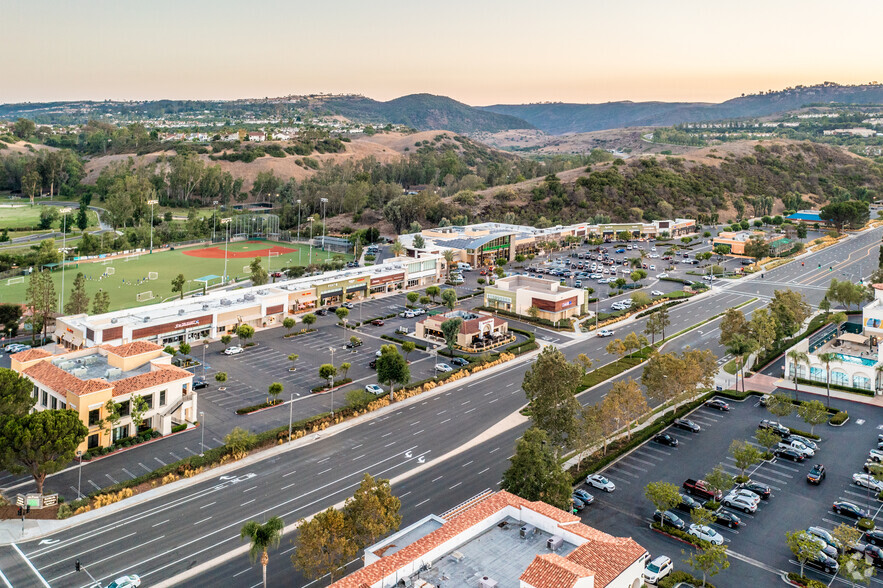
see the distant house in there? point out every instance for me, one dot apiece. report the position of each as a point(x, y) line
point(257, 136)
point(807, 216)
point(231, 137)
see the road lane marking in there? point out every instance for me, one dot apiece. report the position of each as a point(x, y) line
point(467, 463)
point(437, 479)
point(455, 485)
point(156, 525)
point(360, 457)
point(287, 487)
point(444, 421)
point(483, 471)
point(207, 505)
point(202, 521)
point(249, 489)
point(323, 460)
point(415, 506)
point(289, 473)
point(160, 461)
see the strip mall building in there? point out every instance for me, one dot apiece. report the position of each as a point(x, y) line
point(218, 313)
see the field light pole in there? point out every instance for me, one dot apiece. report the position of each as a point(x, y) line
point(226, 221)
point(311, 240)
point(214, 219)
point(324, 202)
point(202, 440)
point(64, 212)
point(298, 232)
point(151, 203)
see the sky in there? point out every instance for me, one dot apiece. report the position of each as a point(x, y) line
point(480, 52)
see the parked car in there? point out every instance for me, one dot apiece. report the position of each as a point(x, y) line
point(717, 404)
point(377, 323)
point(876, 455)
point(665, 439)
point(700, 488)
point(825, 535)
point(353, 343)
point(822, 562)
point(372, 364)
point(872, 553)
point(874, 537)
point(322, 312)
point(233, 350)
point(657, 293)
point(688, 504)
point(743, 503)
point(373, 389)
point(600, 482)
point(791, 454)
point(657, 569)
point(348, 305)
point(669, 518)
point(725, 517)
point(686, 425)
point(130, 581)
point(868, 481)
point(443, 367)
point(459, 361)
point(706, 533)
point(584, 496)
point(849, 509)
point(402, 330)
point(808, 442)
point(775, 427)
point(872, 466)
point(761, 490)
point(744, 492)
point(816, 474)
point(407, 314)
point(798, 447)
point(605, 333)
point(576, 503)
point(199, 383)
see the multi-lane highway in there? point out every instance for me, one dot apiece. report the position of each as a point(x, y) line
point(438, 449)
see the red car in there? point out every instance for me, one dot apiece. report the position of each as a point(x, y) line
point(377, 323)
point(483, 272)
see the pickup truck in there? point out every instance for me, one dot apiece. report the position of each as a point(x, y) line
point(699, 488)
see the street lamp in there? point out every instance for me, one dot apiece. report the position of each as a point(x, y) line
point(202, 439)
point(226, 221)
point(298, 231)
point(214, 218)
point(79, 473)
point(64, 212)
point(290, 411)
point(324, 202)
point(332, 381)
point(151, 203)
point(344, 331)
point(311, 240)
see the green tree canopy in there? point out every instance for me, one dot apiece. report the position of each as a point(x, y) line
point(392, 368)
point(549, 385)
point(535, 473)
point(450, 329)
point(262, 538)
point(372, 511)
point(323, 545)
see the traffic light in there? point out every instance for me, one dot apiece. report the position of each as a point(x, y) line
point(77, 565)
point(20, 511)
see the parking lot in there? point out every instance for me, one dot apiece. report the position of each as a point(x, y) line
point(758, 545)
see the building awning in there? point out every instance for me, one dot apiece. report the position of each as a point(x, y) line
point(250, 317)
point(854, 338)
point(331, 293)
point(306, 299)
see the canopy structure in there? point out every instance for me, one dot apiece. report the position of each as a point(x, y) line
point(854, 338)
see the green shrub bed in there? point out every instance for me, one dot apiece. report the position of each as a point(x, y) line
point(304, 332)
point(122, 443)
point(179, 428)
point(836, 387)
point(419, 346)
point(255, 407)
point(679, 534)
point(796, 578)
point(337, 384)
point(839, 418)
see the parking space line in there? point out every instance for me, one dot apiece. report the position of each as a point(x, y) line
point(632, 456)
point(624, 473)
point(634, 467)
point(656, 450)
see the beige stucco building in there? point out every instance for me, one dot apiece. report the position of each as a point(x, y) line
point(552, 300)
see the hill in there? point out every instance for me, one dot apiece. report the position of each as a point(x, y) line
point(423, 112)
point(560, 118)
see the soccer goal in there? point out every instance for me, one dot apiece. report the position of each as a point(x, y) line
point(107, 262)
point(110, 271)
point(246, 269)
point(18, 280)
point(152, 275)
point(145, 296)
point(130, 257)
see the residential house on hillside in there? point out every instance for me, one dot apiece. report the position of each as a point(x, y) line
point(257, 136)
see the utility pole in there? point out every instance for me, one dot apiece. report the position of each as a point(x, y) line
point(151, 203)
point(202, 440)
point(290, 414)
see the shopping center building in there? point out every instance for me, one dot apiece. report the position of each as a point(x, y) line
point(218, 313)
point(552, 300)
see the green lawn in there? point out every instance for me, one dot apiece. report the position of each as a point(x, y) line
point(123, 286)
point(29, 216)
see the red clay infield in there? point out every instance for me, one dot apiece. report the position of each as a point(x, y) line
point(218, 253)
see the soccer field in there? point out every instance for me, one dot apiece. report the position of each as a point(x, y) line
point(129, 277)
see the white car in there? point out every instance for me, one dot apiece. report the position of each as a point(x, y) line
point(130, 581)
point(662, 275)
point(652, 268)
point(419, 311)
point(443, 367)
point(706, 533)
point(605, 333)
point(407, 314)
point(752, 496)
point(876, 454)
point(798, 447)
point(600, 482)
point(373, 389)
point(657, 293)
point(657, 569)
point(743, 503)
point(233, 350)
point(867, 481)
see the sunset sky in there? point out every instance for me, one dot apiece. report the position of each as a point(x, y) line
point(477, 51)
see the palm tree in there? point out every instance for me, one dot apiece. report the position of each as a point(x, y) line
point(797, 358)
point(739, 345)
point(397, 248)
point(449, 260)
point(827, 358)
point(262, 537)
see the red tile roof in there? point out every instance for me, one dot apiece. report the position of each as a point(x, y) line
point(166, 374)
point(878, 286)
point(550, 570)
point(608, 559)
point(60, 381)
point(133, 348)
point(30, 354)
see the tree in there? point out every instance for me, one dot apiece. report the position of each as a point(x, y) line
point(757, 247)
point(244, 332)
point(640, 299)
point(779, 405)
point(10, 315)
point(609, 417)
point(663, 495)
point(534, 472)
point(16, 399)
point(634, 342)
point(433, 292)
point(323, 545)
point(275, 390)
point(790, 309)
point(31, 182)
point(371, 512)
point(631, 401)
point(221, 377)
point(288, 323)
point(616, 347)
point(101, 302)
point(239, 442)
point(41, 443)
point(767, 439)
point(839, 318)
point(309, 319)
point(178, 284)
point(663, 318)
point(855, 567)
point(740, 345)
point(710, 561)
point(851, 214)
point(397, 249)
point(733, 323)
point(583, 361)
point(762, 328)
point(342, 313)
point(78, 302)
point(638, 275)
point(670, 377)
point(813, 413)
point(533, 312)
point(449, 298)
point(797, 359)
point(744, 454)
point(258, 274)
point(413, 297)
point(549, 385)
point(450, 330)
point(718, 480)
point(327, 371)
point(702, 516)
point(392, 369)
point(425, 300)
point(225, 339)
point(802, 546)
point(262, 538)
point(42, 300)
point(408, 347)
point(293, 357)
point(589, 431)
point(23, 128)
point(827, 358)
point(419, 242)
point(653, 327)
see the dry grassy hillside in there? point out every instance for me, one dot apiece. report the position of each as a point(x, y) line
point(24, 147)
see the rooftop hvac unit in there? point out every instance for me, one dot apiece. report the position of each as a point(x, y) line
point(112, 372)
point(486, 582)
point(527, 530)
point(113, 321)
point(66, 365)
point(263, 292)
point(146, 319)
point(79, 372)
point(554, 542)
point(205, 306)
point(457, 557)
point(249, 297)
point(181, 312)
point(225, 302)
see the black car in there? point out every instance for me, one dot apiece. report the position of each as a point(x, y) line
point(666, 439)
point(822, 562)
point(848, 509)
point(372, 364)
point(687, 504)
point(353, 343)
point(874, 537)
point(790, 454)
point(872, 553)
point(816, 474)
point(775, 427)
point(725, 517)
point(718, 404)
point(332, 309)
point(669, 518)
point(761, 490)
point(459, 361)
point(686, 425)
point(322, 312)
point(199, 384)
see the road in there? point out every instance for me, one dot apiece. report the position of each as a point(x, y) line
point(166, 536)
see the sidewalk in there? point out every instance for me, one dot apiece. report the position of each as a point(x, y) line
point(821, 391)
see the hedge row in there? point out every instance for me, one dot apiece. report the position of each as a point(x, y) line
point(419, 346)
point(836, 387)
point(658, 308)
point(179, 428)
point(839, 418)
point(337, 384)
point(804, 581)
point(678, 576)
point(682, 535)
point(265, 404)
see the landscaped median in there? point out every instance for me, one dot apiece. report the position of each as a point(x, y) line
point(257, 407)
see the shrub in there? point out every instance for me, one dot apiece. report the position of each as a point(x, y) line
point(803, 433)
point(802, 581)
point(179, 428)
point(865, 524)
point(337, 384)
point(255, 407)
point(678, 576)
point(839, 418)
point(679, 534)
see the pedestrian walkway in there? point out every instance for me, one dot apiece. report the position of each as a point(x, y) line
point(769, 384)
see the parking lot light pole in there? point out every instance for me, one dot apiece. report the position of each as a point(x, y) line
point(324, 202)
point(151, 203)
point(311, 240)
point(332, 382)
point(64, 211)
point(202, 440)
point(79, 473)
point(290, 412)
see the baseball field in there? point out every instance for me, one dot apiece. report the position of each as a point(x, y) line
point(143, 279)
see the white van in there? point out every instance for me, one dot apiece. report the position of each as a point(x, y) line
point(465, 267)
